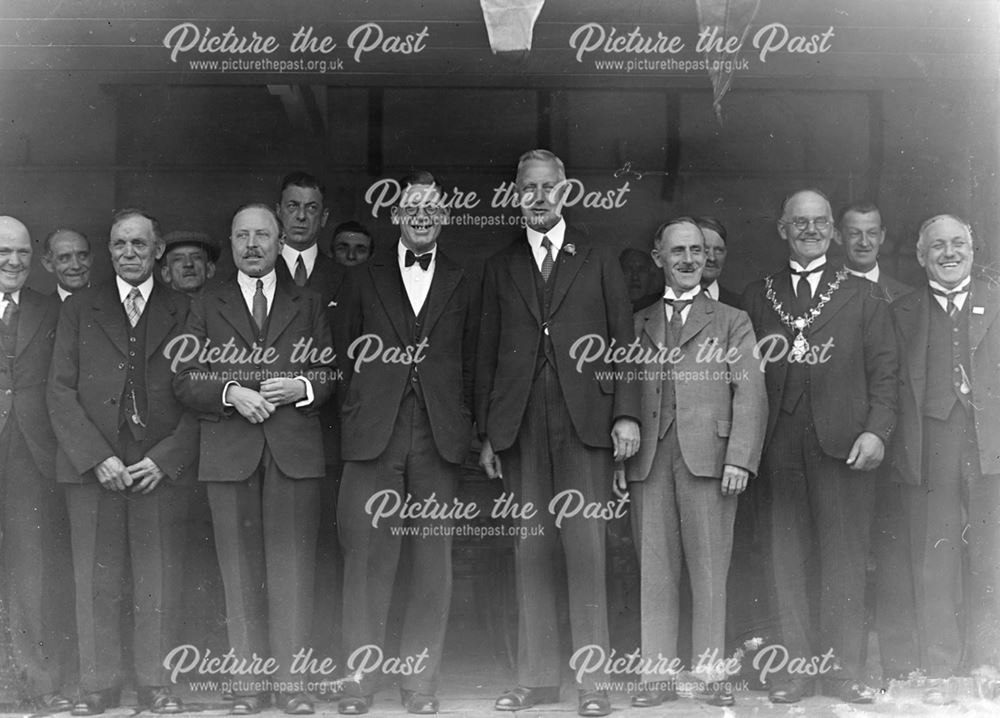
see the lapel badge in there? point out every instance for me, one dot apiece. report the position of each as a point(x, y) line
point(978, 310)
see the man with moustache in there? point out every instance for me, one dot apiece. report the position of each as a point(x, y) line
point(37, 588)
point(946, 455)
point(862, 235)
point(826, 339)
point(701, 441)
point(715, 259)
point(642, 279)
point(188, 260)
point(303, 213)
point(126, 448)
point(548, 428)
point(67, 256)
point(352, 244)
point(261, 450)
point(407, 429)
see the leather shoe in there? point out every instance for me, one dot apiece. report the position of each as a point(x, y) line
point(248, 705)
point(594, 703)
point(651, 699)
point(295, 704)
point(521, 697)
point(354, 705)
point(159, 699)
point(848, 691)
point(791, 691)
point(54, 702)
point(423, 704)
point(96, 702)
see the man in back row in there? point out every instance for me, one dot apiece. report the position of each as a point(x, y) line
point(67, 256)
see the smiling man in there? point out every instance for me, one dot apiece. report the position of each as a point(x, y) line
point(67, 256)
point(946, 459)
point(701, 443)
point(827, 428)
point(126, 447)
point(862, 235)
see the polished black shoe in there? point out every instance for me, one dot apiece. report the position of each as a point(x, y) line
point(295, 704)
point(848, 691)
point(96, 702)
point(594, 703)
point(159, 699)
point(651, 699)
point(521, 697)
point(421, 704)
point(354, 705)
point(790, 691)
point(54, 702)
point(248, 705)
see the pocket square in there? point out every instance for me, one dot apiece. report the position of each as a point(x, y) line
point(332, 304)
point(978, 310)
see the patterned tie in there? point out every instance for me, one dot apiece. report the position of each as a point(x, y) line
point(676, 320)
point(547, 262)
point(134, 305)
point(951, 308)
point(259, 306)
point(9, 308)
point(300, 272)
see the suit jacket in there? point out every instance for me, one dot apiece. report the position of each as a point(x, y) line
point(375, 303)
point(25, 403)
point(855, 389)
point(589, 297)
point(720, 420)
point(231, 447)
point(894, 289)
point(912, 321)
point(88, 378)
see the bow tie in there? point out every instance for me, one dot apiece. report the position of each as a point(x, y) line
point(424, 260)
point(807, 272)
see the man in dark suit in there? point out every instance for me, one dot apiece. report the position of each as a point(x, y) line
point(825, 337)
point(862, 235)
point(261, 449)
point(549, 428)
point(303, 213)
point(407, 429)
point(67, 257)
point(715, 259)
point(702, 430)
point(37, 586)
point(352, 244)
point(946, 455)
point(126, 446)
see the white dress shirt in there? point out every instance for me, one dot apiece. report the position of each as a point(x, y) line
point(688, 295)
point(962, 292)
point(63, 293)
point(416, 280)
point(871, 275)
point(15, 296)
point(291, 257)
point(124, 289)
point(555, 235)
point(813, 278)
point(712, 290)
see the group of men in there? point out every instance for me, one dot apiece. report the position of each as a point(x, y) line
point(303, 395)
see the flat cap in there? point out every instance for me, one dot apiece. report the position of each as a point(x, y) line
point(183, 236)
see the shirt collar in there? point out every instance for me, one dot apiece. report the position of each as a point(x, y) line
point(15, 295)
point(401, 255)
point(816, 263)
point(556, 235)
point(712, 290)
point(291, 256)
point(962, 287)
point(64, 294)
point(689, 294)
point(124, 288)
point(872, 274)
point(249, 284)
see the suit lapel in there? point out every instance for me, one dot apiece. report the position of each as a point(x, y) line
point(388, 283)
point(983, 297)
point(446, 277)
point(569, 267)
point(654, 324)
point(30, 320)
point(234, 310)
point(522, 274)
point(110, 316)
point(844, 294)
point(283, 309)
point(161, 316)
point(699, 316)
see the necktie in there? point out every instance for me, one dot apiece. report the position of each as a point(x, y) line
point(803, 292)
point(547, 262)
point(424, 260)
point(676, 319)
point(134, 306)
point(300, 272)
point(9, 309)
point(951, 308)
point(259, 306)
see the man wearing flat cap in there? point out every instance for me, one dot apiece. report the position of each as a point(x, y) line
point(188, 260)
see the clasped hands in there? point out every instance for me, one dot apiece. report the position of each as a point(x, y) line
point(143, 476)
point(257, 406)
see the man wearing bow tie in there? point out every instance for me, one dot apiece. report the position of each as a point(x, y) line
point(547, 426)
point(825, 337)
point(407, 429)
point(126, 447)
point(946, 454)
point(261, 450)
point(702, 432)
